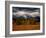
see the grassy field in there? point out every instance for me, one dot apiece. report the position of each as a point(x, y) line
point(25, 24)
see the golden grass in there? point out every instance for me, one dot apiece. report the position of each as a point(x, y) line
point(33, 26)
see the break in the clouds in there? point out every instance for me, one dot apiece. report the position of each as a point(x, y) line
point(20, 11)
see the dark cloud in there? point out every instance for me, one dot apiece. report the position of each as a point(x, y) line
point(15, 9)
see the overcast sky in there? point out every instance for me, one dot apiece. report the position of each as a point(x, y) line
point(19, 11)
point(15, 9)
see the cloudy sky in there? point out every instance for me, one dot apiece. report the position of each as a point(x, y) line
point(23, 11)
